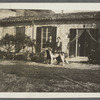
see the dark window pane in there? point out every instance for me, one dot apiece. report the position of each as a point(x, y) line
point(44, 30)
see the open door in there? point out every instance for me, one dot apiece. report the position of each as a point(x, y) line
point(87, 41)
point(84, 42)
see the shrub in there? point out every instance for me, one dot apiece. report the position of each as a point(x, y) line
point(5, 55)
point(94, 56)
point(2, 54)
point(9, 56)
point(38, 57)
point(10, 43)
point(21, 56)
point(34, 57)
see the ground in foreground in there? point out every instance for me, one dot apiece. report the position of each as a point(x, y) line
point(22, 76)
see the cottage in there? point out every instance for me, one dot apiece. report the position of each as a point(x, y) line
point(79, 32)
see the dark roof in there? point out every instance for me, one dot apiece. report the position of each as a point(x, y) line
point(67, 16)
point(18, 19)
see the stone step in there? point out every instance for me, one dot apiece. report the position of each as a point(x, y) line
point(78, 59)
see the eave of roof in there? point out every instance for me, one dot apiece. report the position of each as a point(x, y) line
point(71, 16)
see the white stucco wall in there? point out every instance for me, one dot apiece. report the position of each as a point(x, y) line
point(1, 31)
point(7, 30)
point(28, 30)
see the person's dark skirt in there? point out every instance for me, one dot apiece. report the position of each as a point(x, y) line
point(48, 54)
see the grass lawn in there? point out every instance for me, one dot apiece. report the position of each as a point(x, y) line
point(20, 76)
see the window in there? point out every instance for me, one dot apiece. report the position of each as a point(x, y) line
point(20, 33)
point(43, 34)
point(20, 36)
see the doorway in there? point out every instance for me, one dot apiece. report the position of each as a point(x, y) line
point(82, 41)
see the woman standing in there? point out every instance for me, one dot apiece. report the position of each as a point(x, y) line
point(58, 45)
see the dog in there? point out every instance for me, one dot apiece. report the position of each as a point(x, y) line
point(60, 57)
point(50, 57)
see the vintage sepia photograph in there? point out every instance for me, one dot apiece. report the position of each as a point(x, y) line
point(48, 50)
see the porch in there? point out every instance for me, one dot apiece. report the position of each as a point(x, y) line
point(78, 59)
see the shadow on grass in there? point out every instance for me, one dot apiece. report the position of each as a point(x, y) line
point(45, 79)
point(41, 72)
